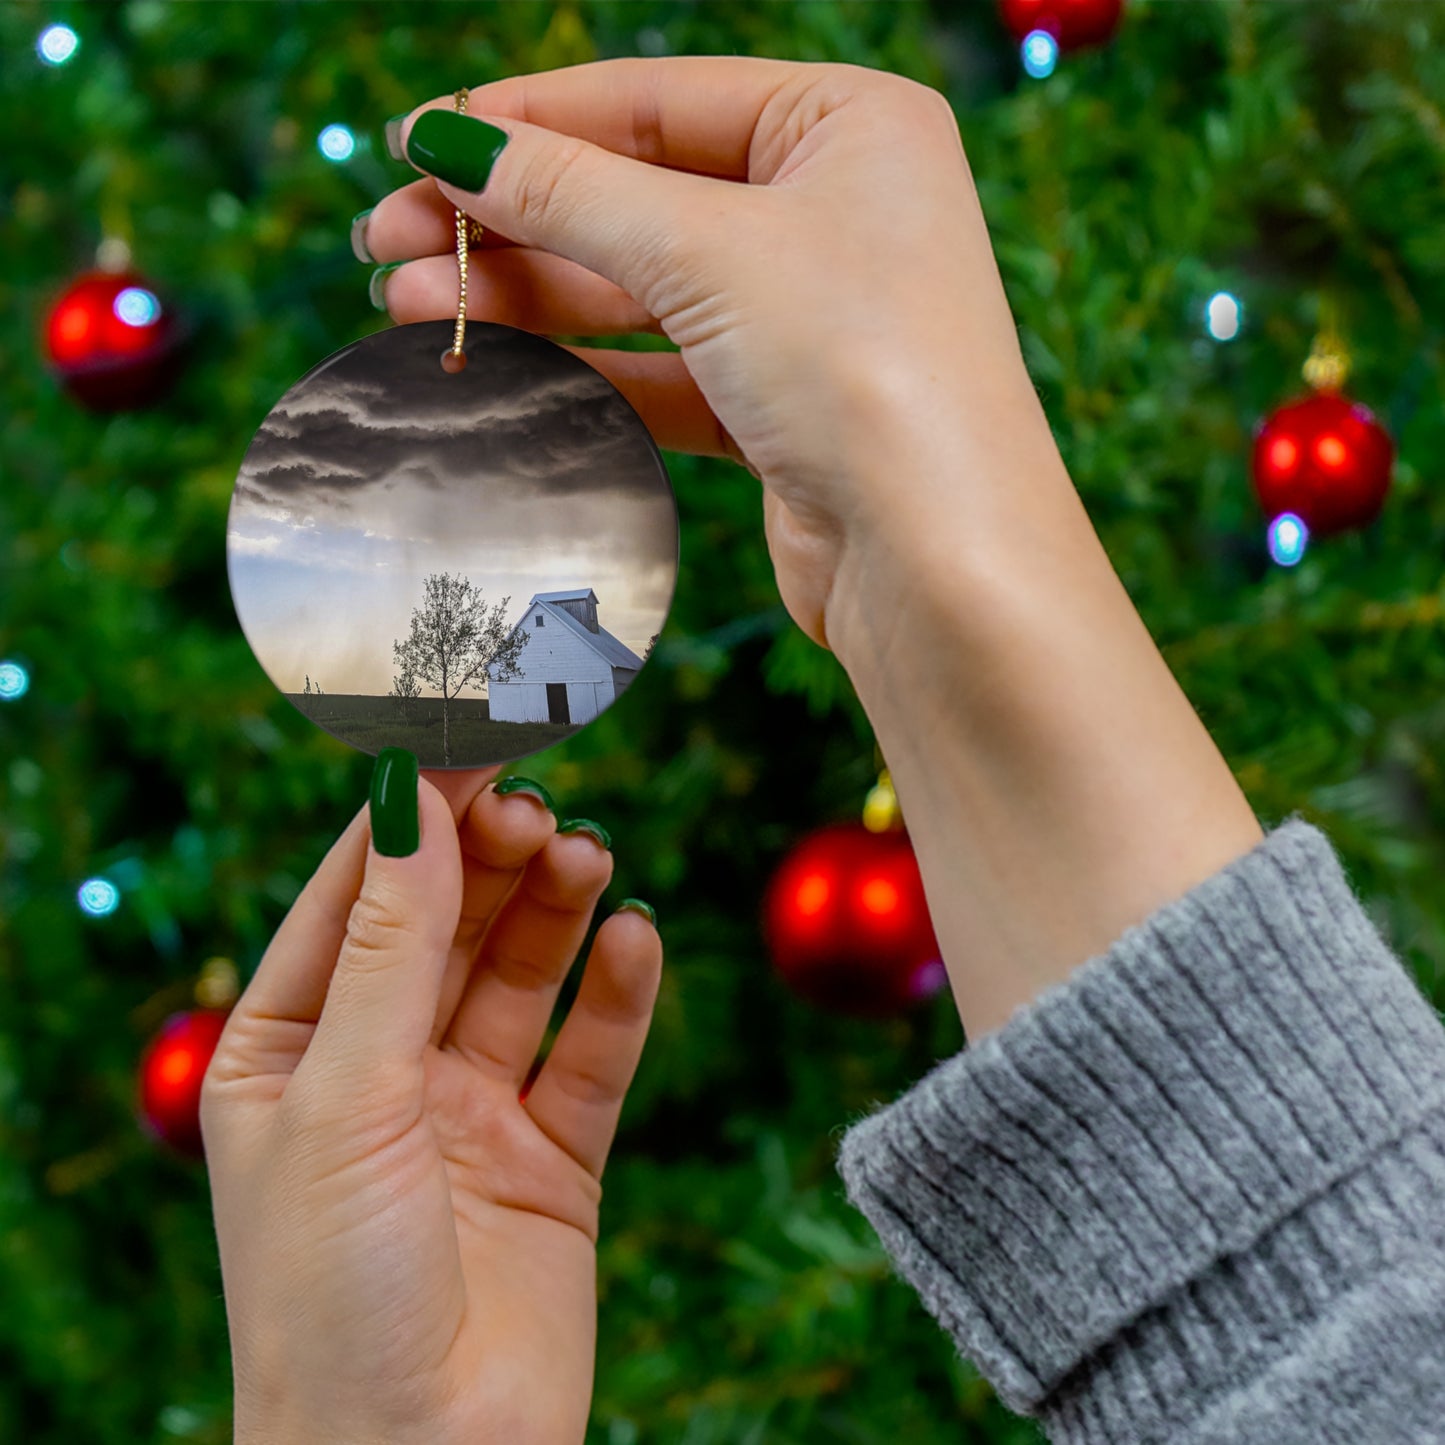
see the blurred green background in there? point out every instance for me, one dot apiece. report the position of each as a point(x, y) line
point(1282, 152)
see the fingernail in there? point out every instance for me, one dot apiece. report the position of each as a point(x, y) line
point(358, 236)
point(515, 784)
point(636, 905)
point(393, 136)
point(395, 824)
point(376, 287)
point(455, 148)
point(586, 825)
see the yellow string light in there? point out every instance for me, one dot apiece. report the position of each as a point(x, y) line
point(219, 984)
point(1328, 366)
point(880, 809)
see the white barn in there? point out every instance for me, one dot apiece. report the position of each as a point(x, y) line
point(571, 667)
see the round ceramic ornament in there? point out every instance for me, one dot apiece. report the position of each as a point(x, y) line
point(456, 539)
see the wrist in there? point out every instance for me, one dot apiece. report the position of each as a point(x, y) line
point(1056, 782)
point(953, 529)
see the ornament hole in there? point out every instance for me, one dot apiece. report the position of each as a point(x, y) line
point(454, 361)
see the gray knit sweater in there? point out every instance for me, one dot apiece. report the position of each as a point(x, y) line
point(1196, 1192)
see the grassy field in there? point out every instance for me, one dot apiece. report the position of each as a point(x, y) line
point(373, 723)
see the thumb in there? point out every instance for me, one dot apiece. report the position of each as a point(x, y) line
point(628, 221)
point(382, 1000)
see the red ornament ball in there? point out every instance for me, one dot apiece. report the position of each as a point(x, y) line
point(847, 924)
point(1324, 458)
point(1073, 23)
point(171, 1072)
point(112, 341)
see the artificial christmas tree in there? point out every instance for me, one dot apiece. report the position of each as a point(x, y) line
point(1271, 150)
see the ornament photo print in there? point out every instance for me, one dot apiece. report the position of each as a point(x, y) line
point(471, 564)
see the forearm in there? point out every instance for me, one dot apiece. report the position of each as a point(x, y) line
point(1057, 784)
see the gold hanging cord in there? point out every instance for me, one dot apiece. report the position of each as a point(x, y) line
point(469, 232)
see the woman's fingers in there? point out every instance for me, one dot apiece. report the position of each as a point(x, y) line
point(502, 1015)
point(417, 220)
point(660, 389)
point(643, 227)
point(347, 992)
point(382, 998)
point(517, 286)
point(577, 1097)
point(460, 786)
point(272, 1021)
point(687, 112)
point(499, 834)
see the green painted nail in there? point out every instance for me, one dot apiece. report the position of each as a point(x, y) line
point(636, 905)
point(458, 149)
point(586, 825)
point(395, 825)
point(358, 236)
point(376, 288)
point(392, 132)
point(514, 784)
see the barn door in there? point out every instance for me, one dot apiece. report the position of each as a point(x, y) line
point(557, 703)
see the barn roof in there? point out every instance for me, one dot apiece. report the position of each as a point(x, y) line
point(612, 649)
point(617, 652)
point(577, 594)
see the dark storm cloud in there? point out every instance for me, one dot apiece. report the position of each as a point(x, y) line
point(523, 410)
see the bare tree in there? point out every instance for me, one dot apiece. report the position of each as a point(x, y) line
point(453, 639)
point(405, 688)
point(308, 685)
point(651, 645)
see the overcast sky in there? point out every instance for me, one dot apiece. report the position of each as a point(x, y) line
point(526, 473)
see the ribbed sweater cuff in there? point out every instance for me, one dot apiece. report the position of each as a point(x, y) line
point(1141, 1166)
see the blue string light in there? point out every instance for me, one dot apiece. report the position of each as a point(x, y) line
point(136, 306)
point(1223, 316)
point(1288, 537)
point(98, 897)
point(57, 44)
point(14, 681)
point(1040, 53)
point(336, 143)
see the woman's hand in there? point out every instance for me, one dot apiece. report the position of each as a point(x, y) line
point(407, 1246)
point(811, 238)
point(843, 300)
